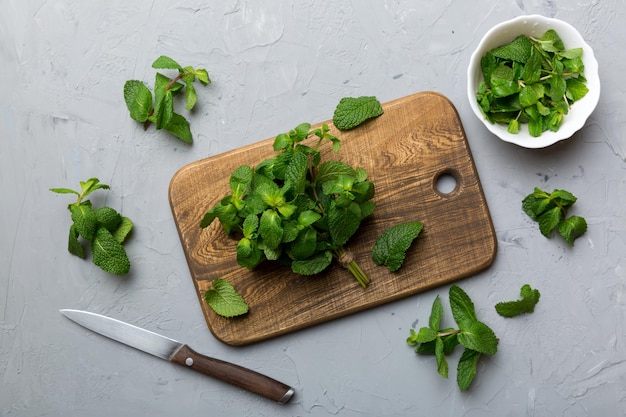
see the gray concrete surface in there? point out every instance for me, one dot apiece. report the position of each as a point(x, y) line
point(273, 65)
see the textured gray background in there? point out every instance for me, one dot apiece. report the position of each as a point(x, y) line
point(276, 64)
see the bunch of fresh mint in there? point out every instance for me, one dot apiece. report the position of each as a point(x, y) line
point(550, 211)
point(104, 227)
point(160, 110)
point(532, 81)
point(296, 209)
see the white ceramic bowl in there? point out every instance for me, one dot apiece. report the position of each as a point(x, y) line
point(535, 25)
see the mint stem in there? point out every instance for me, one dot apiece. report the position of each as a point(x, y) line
point(347, 261)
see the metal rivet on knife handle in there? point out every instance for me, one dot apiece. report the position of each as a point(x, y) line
point(233, 374)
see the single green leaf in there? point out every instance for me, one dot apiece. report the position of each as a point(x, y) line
point(164, 62)
point(248, 253)
point(426, 334)
point(123, 229)
point(224, 299)
point(307, 218)
point(467, 368)
point(478, 336)
point(296, 172)
point(412, 339)
point(519, 50)
point(73, 245)
point(572, 228)
point(391, 247)
point(351, 112)
point(551, 41)
point(576, 89)
point(203, 76)
point(549, 220)
point(109, 218)
point(313, 265)
point(241, 179)
point(64, 191)
point(526, 304)
point(282, 141)
point(343, 223)
point(330, 170)
point(270, 229)
point(85, 220)
point(179, 127)
point(138, 100)
point(108, 253)
point(250, 225)
point(191, 97)
point(304, 246)
point(436, 313)
point(442, 363)
point(462, 307)
point(163, 108)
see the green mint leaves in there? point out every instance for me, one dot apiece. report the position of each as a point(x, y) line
point(351, 112)
point(391, 247)
point(294, 208)
point(531, 81)
point(104, 228)
point(224, 299)
point(526, 304)
point(550, 211)
point(475, 336)
point(159, 110)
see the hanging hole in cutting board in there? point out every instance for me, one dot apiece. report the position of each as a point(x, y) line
point(447, 182)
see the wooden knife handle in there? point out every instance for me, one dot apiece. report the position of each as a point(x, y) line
point(233, 374)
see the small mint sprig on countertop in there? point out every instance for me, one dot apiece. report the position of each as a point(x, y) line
point(550, 211)
point(527, 303)
point(474, 335)
point(160, 111)
point(105, 228)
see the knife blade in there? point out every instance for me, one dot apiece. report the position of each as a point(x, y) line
point(181, 354)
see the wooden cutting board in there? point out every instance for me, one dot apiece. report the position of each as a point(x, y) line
point(405, 151)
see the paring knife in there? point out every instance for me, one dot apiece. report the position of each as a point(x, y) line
point(179, 353)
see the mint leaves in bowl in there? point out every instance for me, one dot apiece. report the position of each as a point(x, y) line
point(533, 81)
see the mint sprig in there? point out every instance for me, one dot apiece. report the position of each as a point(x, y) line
point(351, 111)
point(531, 81)
point(529, 299)
point(159, 110)
point(550, 211)
point(224, 299)
point(475, 336)
point(391, 247)
point(104, 228)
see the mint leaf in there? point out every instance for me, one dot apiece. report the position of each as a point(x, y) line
point(73, 245)
point(440, 356)
point(436, 313)
point(164, 62)
point(84, 219)
point(191, 97)
point(138, 100)
point(343, 222)
point(108, 218)
point(240, 180)
point(224, 299)
point(123, 229)
point(163, 104)
point(248, 253)
point(519, 50)
point(313, 265)
point(462, 307)
point(572, 228)
point(391, 247)
point(108, 253)
point(270, 229)
point(179, 127)
point(64, 191)
point(478, 336)
point(203, 76)
point(530, 298)
point(426, 335)
point(351, 112)
point(467, 368)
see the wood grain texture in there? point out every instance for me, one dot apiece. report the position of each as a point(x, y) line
point(417, 139)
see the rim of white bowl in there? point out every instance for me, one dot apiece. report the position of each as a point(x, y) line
point(536, 25)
